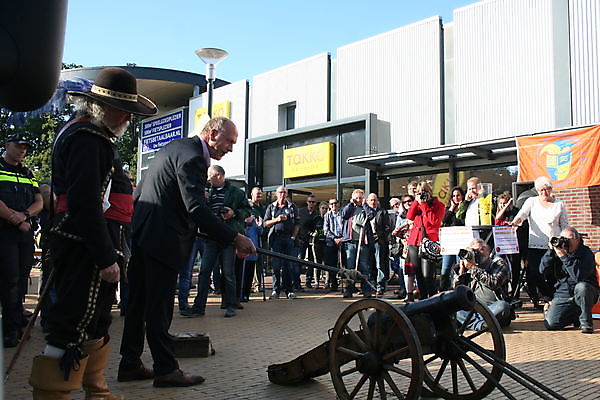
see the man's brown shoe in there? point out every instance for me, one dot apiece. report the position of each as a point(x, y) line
point(135, 373)
point(177, 378)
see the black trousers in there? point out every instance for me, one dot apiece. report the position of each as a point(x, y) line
point(425, 270)
point(16, 258)
point(248, 276)
point(149, 312)
point(83, 301)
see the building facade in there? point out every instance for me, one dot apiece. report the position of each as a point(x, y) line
point(431, 100)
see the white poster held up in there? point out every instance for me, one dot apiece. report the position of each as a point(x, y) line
point(454, 238)
point(505, 240)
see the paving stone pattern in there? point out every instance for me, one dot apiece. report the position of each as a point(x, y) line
point(279, 330)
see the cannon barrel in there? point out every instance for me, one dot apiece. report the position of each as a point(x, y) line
point(461, 298)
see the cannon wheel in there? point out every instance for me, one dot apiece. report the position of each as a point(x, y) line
point(459, 373)
point(359, 354)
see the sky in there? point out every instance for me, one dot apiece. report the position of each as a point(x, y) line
point(259, 35)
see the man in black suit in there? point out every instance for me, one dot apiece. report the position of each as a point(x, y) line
point(170, 206)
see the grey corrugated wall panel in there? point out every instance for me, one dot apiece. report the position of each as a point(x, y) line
point(305, 82)
point(395, 75)
point(511, 68)
point(584, 18)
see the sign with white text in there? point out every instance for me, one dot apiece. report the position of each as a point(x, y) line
point(158, 131)
point(454, 238)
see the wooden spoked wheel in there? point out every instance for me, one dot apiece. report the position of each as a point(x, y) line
point(375, 353)
point(460, 369)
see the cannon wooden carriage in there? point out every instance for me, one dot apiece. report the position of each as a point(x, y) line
point(379, 350)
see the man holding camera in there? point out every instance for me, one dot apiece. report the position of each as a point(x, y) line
point(572, 264)
point(488, 277)
point(229, 204)
point(283, 221)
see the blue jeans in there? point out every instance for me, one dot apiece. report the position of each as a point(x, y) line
point(447, 262)
point(295, 272)
point(283, 269)
point(397, 265)
point(382, 262)
point(366, 252)
point(500, 309)
point(215, 254)
point(566, 310)
point(185, 275)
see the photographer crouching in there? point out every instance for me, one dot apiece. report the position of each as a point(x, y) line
point(572, 265)
point(488, 278)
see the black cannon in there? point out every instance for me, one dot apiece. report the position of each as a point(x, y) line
point(417, 349)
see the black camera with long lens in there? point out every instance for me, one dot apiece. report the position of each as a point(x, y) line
point(560, 242)
point(472, 256)
point(424, 196)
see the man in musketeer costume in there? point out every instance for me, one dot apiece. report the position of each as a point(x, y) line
point(86, 238)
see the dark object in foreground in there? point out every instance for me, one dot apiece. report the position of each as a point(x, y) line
point(192, 344)
point(412, 350)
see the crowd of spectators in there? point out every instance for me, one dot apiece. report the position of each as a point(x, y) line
point(383, 244)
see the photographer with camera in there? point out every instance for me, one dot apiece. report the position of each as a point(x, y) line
point(573, 266)
point(488, 278)
point(427, 214)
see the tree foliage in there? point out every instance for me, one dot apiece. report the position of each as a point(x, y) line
point(42, 130)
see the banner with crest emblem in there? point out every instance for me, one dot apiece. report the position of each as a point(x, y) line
point(570, 159)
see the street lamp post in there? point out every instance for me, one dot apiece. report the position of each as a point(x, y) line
point(211, 57)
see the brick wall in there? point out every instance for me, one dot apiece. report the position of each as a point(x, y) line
point(583, 207)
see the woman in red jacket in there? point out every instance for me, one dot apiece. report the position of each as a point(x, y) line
point(427, 214)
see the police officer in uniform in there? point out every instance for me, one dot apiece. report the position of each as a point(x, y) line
point(92, 199)
point(20, 201)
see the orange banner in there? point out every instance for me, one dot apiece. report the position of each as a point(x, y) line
point(569, 159)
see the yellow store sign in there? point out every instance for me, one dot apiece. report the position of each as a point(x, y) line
point(222, 109)
point(314, 159)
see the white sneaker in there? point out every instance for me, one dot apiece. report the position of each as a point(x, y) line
point(291, 295)
point(274, 295)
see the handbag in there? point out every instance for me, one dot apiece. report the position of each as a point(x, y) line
point(429, 249)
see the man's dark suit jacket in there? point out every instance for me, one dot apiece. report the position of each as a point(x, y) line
point(170, 204)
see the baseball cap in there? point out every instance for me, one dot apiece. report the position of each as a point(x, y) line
point(18, 138)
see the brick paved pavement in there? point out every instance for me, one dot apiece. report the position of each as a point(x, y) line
point(278, 331)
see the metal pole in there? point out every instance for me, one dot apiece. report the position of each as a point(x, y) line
point(210, 97)
point(210, 77)
point(351, 274)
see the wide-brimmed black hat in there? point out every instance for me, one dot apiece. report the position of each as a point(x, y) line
point(118, 88)
point(18, 138)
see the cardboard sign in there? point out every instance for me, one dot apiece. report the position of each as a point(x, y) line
point(454, 238)
point(505, 240)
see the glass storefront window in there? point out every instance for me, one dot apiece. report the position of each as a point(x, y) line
point(501, 179)
point(347, 189)
point(272, 171)
point(353, 144)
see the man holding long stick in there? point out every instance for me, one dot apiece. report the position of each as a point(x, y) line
point(87, 178)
